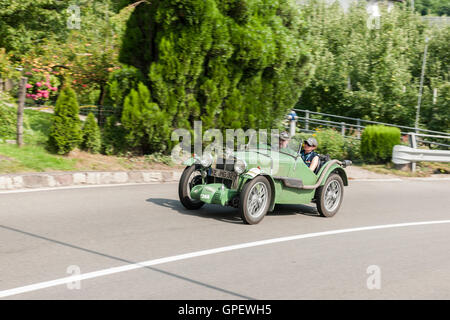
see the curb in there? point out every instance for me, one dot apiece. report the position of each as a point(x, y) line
point(96, 178)
point(65, 179)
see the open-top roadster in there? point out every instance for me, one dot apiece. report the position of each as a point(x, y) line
point(254, 180)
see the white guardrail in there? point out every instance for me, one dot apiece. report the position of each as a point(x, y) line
point(405, 155)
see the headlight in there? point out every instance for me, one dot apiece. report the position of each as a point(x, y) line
point(206, 160)
point(240, 166)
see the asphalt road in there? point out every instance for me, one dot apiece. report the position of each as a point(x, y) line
point(48, 235)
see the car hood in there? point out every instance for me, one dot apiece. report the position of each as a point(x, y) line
point(269, 161)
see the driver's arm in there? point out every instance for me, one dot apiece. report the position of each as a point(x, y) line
point(314, 163)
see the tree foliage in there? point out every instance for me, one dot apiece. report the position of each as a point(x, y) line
point(437, 7)
point(231, 64)
point(374, 73)
point(147, 126)
point(24, 23)
point(91, 135)
point(65, 132)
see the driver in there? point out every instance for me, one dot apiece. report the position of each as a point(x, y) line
point(309, 156)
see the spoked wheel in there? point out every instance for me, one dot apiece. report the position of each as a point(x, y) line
point(191, 177)
point(255, 200)
point(329, 196)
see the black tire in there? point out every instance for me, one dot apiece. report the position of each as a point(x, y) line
point(257, 184)
point(184, 189)
point(329, 196)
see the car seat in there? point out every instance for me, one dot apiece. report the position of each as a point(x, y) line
point(323, 158)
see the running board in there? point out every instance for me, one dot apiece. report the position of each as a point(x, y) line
point(291, 182)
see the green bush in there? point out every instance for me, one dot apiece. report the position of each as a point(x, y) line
point(91, 135)
point(7, 122)
point(230, 64)
point(113, 137)
point(65, 132)
point(147, 126)
point(330, 142)
point(377, 143)
point(119, 86)
point(352, 149)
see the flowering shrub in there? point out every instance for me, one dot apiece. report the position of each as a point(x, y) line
point(41, 86)
point(330, 142)
point(6, 68)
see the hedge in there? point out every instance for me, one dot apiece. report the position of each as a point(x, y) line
point(377, 143)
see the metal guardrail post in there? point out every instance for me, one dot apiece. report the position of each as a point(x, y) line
point(343, 129)
point(412, 140)
point(413, 143)
point(292, 123)
point(358, 129)
point(307, 120)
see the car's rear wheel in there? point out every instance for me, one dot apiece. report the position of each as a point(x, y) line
point(255, 200)
point(191, 177)
point(329, 196)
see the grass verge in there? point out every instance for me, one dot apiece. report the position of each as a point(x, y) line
point(423, 169)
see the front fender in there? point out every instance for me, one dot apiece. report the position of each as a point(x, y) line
point(335, 168)
point(189, 162)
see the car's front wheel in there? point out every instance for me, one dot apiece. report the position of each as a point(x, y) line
point(329, 196)
point(255, 200)
point(191, 177)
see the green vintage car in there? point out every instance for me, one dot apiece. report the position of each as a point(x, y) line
point(255, 179)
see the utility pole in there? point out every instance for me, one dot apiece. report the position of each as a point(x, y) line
point(421, 84)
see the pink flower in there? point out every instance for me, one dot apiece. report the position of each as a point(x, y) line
point(53, 88)
point(28, 86)
point(28, 95)
point(38, 84)
point(28, 73)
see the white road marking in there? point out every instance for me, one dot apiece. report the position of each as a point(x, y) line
point(129, 267)
point(375, 180)
point(428, 179)
point(85, 186)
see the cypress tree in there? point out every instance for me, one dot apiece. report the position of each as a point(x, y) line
point(229, 63)
point(91, 135)
point(65, 132)
point(147, 126)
